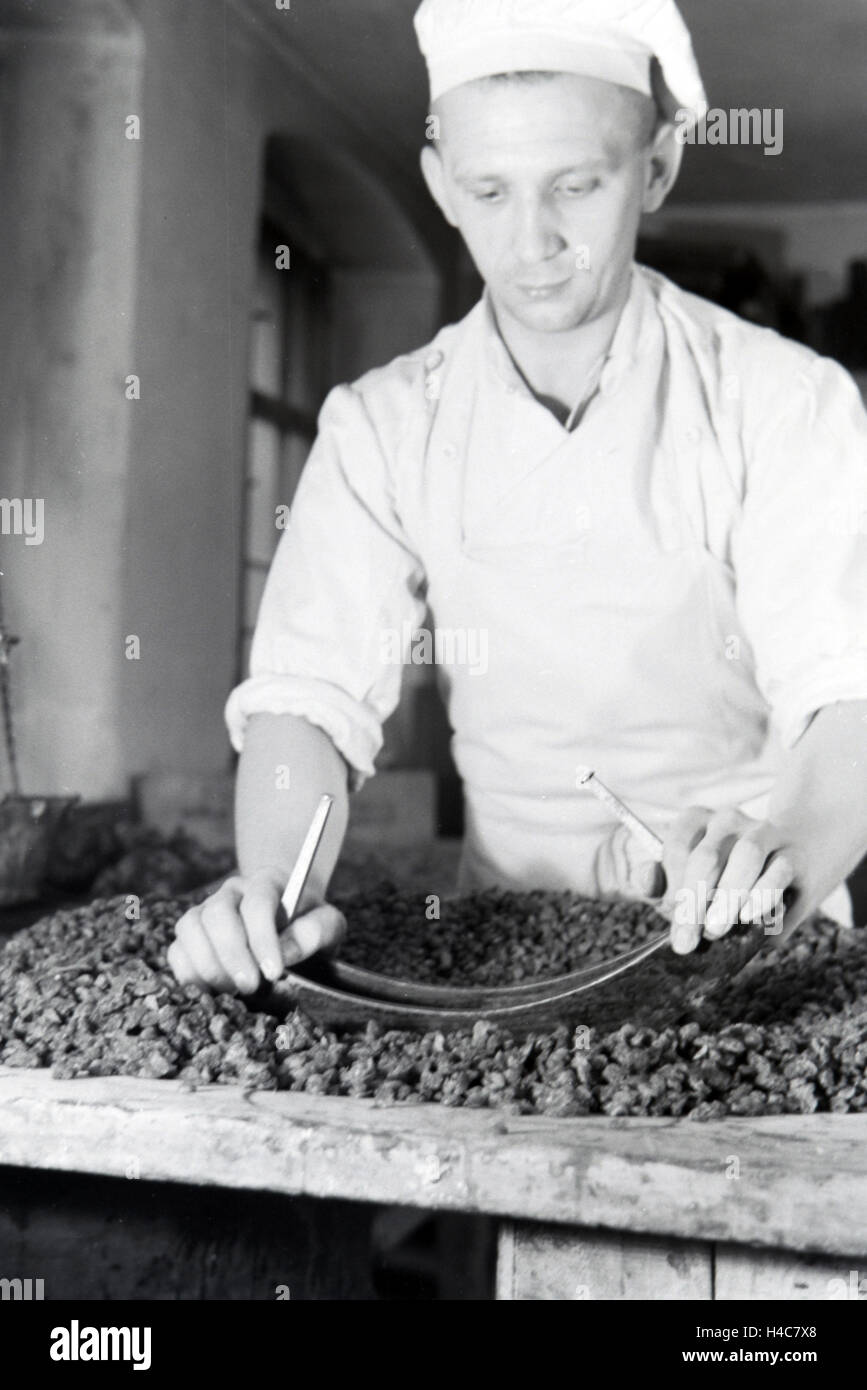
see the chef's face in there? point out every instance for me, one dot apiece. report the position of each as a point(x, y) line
point(547, 178)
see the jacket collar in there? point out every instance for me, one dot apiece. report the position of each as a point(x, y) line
point(625, 347)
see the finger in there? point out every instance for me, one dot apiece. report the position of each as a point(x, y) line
point(703, 871)
point(641, 876)
point(743, 869)
point(319, 930)
point(685, 931)
point(623, 869)
point(224, 928)
point(685, 869)
point(180, 965)
point(629, 859)
point(650, 879)
point(197, 948)
point(683, 835)
point(766, 903)
point(259, 907)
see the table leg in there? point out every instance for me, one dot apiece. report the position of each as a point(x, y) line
point(536, 1262)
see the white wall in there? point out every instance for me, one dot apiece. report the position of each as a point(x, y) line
point(137, 257)
point(68, 227)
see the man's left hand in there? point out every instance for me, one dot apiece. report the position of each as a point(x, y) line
point(718, 868)
point(724, 867)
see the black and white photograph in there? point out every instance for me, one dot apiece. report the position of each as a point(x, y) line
point(433, 667)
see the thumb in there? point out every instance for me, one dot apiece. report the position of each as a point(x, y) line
point(318, 930)
point(651, 880)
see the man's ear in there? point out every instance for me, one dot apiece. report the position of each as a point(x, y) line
point(434, 177)
point(663, 166)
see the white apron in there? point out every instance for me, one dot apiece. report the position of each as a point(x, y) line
point(611, 631)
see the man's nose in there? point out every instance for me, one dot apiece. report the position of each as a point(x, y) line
point(536, 236)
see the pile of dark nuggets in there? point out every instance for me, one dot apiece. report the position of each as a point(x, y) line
point(88, 993)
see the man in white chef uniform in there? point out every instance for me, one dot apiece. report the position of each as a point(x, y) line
point(640, 500)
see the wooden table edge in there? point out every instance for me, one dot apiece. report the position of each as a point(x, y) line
point(797, 1182)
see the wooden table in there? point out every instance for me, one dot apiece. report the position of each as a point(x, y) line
point(592, 1208)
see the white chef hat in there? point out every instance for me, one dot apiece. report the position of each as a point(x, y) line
point(614, 40)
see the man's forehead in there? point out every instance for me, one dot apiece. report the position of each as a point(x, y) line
point(511, 86)
point(585, 114)
point(543, 166)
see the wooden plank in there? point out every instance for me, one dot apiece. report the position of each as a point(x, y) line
point(505, 1278)
point(801, 1180)
point(762, 1275)
point(547, 1263)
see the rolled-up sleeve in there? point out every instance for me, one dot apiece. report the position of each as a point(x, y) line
point(343, 582)
point(800, 548)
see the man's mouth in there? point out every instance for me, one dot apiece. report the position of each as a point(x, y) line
point(546, 291)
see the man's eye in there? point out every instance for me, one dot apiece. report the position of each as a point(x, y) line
point(577, 190)
point(488, 195)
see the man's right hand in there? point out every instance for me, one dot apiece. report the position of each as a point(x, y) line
point(230, 941)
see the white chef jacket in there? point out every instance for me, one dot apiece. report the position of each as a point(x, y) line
point(667, 593)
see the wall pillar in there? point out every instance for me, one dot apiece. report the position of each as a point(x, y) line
point(69, 182)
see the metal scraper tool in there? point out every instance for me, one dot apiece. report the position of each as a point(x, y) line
point(603, 995)
point(304, 863)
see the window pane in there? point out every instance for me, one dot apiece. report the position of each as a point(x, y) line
point(305, 331)
point(246, 644)
point(296, 450)
point(254, 586)
point(267, 327)
point(263, 488)
point(289, 366)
